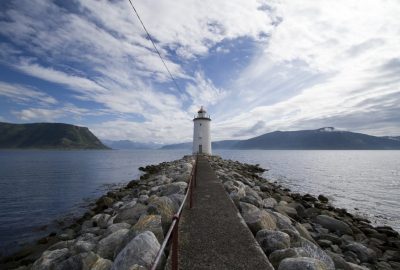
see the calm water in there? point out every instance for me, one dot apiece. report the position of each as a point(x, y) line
point(364, 182)
point(38, 187)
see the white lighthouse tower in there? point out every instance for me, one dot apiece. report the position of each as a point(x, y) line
point(201, 133)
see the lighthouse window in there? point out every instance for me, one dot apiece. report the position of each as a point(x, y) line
point(200, 124)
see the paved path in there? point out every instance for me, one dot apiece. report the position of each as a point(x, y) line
point(212, 234)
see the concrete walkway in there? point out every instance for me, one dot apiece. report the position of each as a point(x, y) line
point(212, 234)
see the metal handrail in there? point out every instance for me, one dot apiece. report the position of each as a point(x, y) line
point(173, 229)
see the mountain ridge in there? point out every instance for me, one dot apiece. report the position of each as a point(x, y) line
point(326, 138)
point(47, 136)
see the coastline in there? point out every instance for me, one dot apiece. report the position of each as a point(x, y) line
point(345, 239)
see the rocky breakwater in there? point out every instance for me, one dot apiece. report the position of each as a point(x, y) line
point(303, 232)
point(124, 229)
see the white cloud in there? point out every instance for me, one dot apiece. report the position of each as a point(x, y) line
point(323, 65)
point(316, 63)
point(24, 94)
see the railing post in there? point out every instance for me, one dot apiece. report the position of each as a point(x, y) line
point(175, 240)
point(191, 193)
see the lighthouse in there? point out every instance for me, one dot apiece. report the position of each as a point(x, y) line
point(201, 133)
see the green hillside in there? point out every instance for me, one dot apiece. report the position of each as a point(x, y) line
point(47, 136)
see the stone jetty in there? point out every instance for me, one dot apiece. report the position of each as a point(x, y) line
point(258, 225)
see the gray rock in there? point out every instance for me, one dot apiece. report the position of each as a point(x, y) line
point(282, 221)
point(165, 207)
point(256, 219)
point(272, 240)
point(313, 251)
point(287, 210)
point(278, 255)
point(129, 204)
point(61, 245)
point(82, 246)
point(102, 264)
point(141, 250)
point(101, 220)
point(150, 223)
point(50, 259)
point(301, 263)
point(269, 203)
point(68, 234)
point(177, 198)
point(333, 224)
point(235, 189)
point(131, 215)
point(364, 253)
point(353, 266)
point(312, 212)
point(173, 188)
point(338, 260)
point(303, 232)
point(77, 262)
point(143, 199)
point(110, 246)
point(117, 226)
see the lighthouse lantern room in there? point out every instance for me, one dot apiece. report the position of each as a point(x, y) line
point(201, 133)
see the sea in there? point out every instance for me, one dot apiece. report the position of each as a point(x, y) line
point(41, 191)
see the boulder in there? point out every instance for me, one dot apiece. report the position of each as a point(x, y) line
point(287, 210)
point(301, 263)
point(269, 203)
point(109, 246)
point(364, 253)
point(77, 262)
point(353, 266)
point(322, 198)
point(235, 188)
point(278, 255)
point(141, 250)
point(131, 215)
point(83, 246)
point(150, 223)
point(102, 264)
point(50, 259)
point(282, 221)
point(165, 207)
point(173, 188)
point(117, 226)
point(256, 219)
point(272, 240)
point(303, 232)
point(313, 251)
point(101, 220)
point(338, 260)
point(104, 202)
point(333, 224)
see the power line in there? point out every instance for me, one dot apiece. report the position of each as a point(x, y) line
point(154, 45)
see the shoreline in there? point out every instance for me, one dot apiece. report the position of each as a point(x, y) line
point(154, 197)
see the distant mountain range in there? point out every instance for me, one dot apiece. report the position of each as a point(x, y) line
point(127, 144)
point(65, 136)
point(47, 136)
point(323, 138)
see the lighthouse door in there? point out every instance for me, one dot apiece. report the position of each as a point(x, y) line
point(200, 149)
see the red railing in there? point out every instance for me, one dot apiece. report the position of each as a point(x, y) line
point(173, 229)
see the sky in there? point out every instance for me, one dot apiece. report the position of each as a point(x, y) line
point(256, 66)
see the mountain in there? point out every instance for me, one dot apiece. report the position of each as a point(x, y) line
point(127, 144)
point(323, 138)
point(226, 144)
point(187, 145)
point(396, 138)
point(47, 136)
